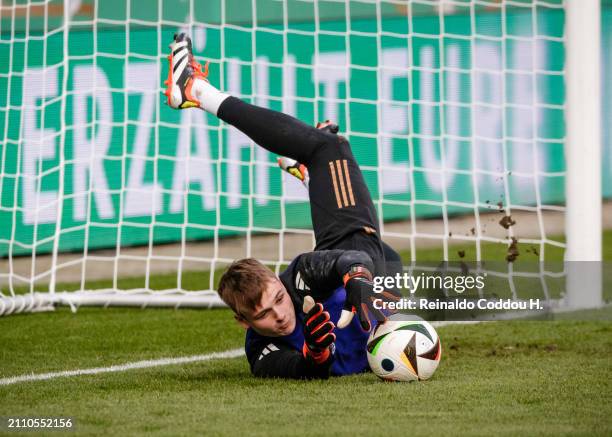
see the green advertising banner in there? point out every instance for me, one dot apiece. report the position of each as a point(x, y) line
point(92, 157)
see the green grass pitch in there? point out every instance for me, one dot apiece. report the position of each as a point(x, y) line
point(511, 378)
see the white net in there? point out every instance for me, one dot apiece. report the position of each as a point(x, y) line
point(454, 110)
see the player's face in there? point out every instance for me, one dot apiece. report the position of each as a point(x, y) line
point(275, 315)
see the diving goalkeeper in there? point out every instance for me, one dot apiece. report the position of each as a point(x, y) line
point(291, 319)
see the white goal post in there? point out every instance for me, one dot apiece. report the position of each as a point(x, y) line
point(456, 110)
point(583, 215)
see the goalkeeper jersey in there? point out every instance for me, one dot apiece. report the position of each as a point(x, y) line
point(350, 356)
point(282, 356)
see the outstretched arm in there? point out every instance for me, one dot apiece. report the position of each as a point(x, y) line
point(319, 273)
point(278, 360)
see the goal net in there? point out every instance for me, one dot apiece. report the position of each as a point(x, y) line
point(455, 111)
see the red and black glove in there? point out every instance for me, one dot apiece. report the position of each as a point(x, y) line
point(319, 334)
point(360, 297)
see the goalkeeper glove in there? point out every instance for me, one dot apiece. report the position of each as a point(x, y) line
point(318, 333)
point(360, 297)
point(328, 126)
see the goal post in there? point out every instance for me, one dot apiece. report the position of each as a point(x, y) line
point(456, 110)
point(583, 214)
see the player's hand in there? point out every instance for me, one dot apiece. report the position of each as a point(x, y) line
point(360, 297)
point(318, 332)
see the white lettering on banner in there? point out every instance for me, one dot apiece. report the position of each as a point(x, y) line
point(490, 108)
point(289, 85)
point(432, 159)
point(38, 145)
point(236, 141)
point(427, 111)
point(89, 153)
point(331, 70)
point(525, 120)
point(142, 199)
point(293, 189)
point(606, 71)
point(262, 156)
point(452, 122)
point(394, 120)
point(488, 114)
point(196, 167)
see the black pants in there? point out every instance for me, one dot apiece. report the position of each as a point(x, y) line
point(343, 214)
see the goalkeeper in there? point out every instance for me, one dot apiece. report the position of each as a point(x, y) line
point(291, 319)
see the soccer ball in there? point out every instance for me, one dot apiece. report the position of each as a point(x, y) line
point(404, 348)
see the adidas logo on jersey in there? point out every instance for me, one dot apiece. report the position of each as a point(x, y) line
point(269, 348)
point(299, 283)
